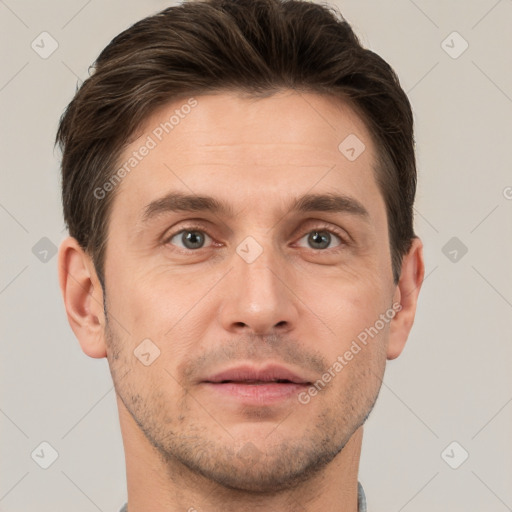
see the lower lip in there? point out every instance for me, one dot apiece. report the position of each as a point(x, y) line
point(257, 393)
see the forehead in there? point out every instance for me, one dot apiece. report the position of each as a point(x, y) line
point(247, 151)
point(233, 119)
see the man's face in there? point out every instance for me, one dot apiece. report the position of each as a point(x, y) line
point(233, 299)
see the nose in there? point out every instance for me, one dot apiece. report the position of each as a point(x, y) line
point(258, 296)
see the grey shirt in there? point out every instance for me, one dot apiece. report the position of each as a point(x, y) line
point(361, 500)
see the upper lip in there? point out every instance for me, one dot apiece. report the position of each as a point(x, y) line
point(268, 373)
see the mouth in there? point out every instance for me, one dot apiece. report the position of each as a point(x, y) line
point(257, 386)
point(252, 375)
point(256, 382)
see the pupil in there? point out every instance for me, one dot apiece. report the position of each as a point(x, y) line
point(193, 239)
point(317, 238)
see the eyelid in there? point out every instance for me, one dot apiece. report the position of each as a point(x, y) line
point(188, 227)
point(322, 226)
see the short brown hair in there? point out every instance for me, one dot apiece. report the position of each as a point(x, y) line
point(256, 47)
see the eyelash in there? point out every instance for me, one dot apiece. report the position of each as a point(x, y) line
point(320, 227)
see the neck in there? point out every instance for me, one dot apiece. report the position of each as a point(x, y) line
point(163, 486)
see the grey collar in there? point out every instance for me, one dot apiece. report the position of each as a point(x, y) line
point(361, 498)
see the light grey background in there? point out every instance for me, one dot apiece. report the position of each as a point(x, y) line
point(452, 383)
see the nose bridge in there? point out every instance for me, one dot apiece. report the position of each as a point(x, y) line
point(258, 297)
point(256, 264)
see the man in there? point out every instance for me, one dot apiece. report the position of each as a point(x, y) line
point(238, 183)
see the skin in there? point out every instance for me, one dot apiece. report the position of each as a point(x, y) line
point(207, 308)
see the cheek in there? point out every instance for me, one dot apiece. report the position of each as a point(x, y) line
point(359, 336)
point(171, 311)
point(140, 304)
point(353, 302)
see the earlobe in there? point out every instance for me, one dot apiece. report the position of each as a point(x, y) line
point(406, 293)
point(83, 297)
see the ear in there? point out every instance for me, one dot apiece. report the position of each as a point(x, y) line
point(83, 297)
point(406, 294)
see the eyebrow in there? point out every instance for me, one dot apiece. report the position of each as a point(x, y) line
point(181, 202)
point(331, 202)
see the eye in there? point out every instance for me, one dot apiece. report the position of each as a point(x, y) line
point(191, 238)
point(320, 239)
